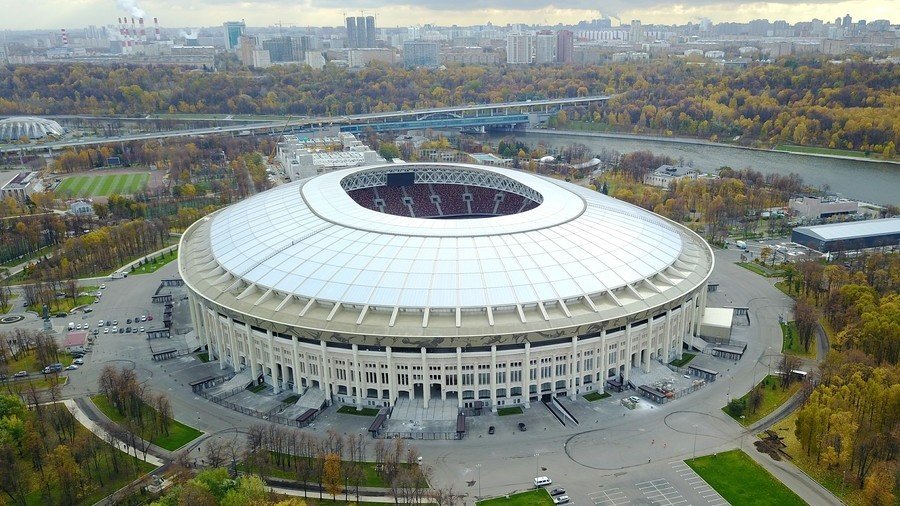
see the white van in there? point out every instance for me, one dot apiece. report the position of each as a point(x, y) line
point(542, 481)
point(71, 325)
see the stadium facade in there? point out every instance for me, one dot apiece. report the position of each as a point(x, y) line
point(441, 281)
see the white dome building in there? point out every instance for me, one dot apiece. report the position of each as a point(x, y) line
point(442, 281)
point(14, 128)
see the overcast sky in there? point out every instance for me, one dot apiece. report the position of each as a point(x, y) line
point(54, 14)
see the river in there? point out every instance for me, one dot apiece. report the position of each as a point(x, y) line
point(868, 181)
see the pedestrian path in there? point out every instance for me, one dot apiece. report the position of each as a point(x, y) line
point(90, 425)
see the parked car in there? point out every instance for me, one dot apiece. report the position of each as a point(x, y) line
point(150, 317)
point(121, 331)
point(143, 318)
point(558, 491)
point(78, 361)
point(128, 321)
point(522, 426)
point(561, 499)
point(71, 367)
point(106, 330)
point(141, 329)
point(87, 310)
point(108, 323)
point(491, 429)
point(103, 287)
point(20, 374)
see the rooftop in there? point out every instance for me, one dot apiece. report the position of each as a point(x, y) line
point(853, 229)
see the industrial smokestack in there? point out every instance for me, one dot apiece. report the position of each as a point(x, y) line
point(65, 39)
point(143, 32)
point(156, 25)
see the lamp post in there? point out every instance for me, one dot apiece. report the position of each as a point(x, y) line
point(537, 464)
point(695, 441)
point(478, 466)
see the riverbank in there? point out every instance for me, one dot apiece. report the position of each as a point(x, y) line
point(863, 180)
point(701, 142)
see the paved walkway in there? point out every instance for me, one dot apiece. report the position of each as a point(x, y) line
point(92, 426)
point(366, 498)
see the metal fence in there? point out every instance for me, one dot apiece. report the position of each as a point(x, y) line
point(427, 436)
point(271, 416)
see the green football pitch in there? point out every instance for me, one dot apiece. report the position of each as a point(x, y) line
point(102, 186)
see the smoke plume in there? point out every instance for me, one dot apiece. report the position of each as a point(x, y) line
point(132, 7)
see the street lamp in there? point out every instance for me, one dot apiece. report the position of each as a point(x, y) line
point(478, 466)
point(537, 464)
point(695, 441)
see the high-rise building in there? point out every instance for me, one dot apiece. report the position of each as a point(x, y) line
point(565, 50)
point(281, 49)
point(418, 53)
point(519, 48)
point(544, 47)
point(847, 21)
point(233, 32)
point(351, 32)
point(361, 31)
point(370, 31)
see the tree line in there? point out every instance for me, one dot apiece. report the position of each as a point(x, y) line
point(851, 105)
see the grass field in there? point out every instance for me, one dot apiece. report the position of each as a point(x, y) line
point(102, 186)
point(791, 342)
point(179, 433)
point(595, 396)
point(762, 270)
point(829, 478)
point(773, 396)
point(370, 477)
point(29, 362)
point(685, 358)
point(823, 151)
point(538, 497)
point(63, 305)
point(740, 480)
point(351, 410)
point(156, 263)
point(515, 410)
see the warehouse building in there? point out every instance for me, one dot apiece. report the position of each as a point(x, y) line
point(855, 235)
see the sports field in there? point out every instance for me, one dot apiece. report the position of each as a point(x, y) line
point(102, 186)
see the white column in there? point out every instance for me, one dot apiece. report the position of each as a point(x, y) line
point(628, 350)
point(325, 375)
point(426, 386)
point(251, 345)
point(235, 358)
point(667, 337)
point(604, 360)
point(573, 382)
point(392, 376)
point(295, 361)
point(459, 385)
point(358, 378)
point(645, 359)
point(682, 328)
point(272, 365)
point(526, 376)
point(493, 378)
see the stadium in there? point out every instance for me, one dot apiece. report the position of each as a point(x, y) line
point(463, 283)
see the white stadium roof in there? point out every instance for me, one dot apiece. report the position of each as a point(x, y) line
point(312, 240)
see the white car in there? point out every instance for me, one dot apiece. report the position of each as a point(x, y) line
point(115, 329)
point(78, 361)
point(103, 287)
point(141, 329)
point(72, 367)
point(106, 330)
point(78, 327)
point(144, 318)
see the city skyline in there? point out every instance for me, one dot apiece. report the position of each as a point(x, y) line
point(55, 14)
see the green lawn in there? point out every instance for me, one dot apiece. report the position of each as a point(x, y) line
point(40, 382)
point(26, 258)
point(791, 342)
point(595, 396)
point(351, 410)
point(64, 305)
point(762, 270)
point(537, 497)
point(204, 357)
point(740, 480)
point(257, 388)
point(773, 396)
point(291, 399)
point(179, 433)
point(156, 263)
point(102, 185)
point(685, 358)
point(824, 151)
point(371, 478)
point(30, 363)
point(515, 410)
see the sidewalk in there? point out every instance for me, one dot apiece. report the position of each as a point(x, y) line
point(90, 425)
point(363, 498)
point(795, 479)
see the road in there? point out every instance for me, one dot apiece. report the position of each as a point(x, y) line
point(613, 453)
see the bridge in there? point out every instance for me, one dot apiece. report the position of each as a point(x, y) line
point(495, 115)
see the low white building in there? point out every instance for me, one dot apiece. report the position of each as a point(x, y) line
point(666, 174)
point(302, 158)
point(816, 208)
point(19, 185)
point(81, 208)
point(75, 341)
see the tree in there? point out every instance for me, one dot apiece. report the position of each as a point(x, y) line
point(14, 477)
point(388, 150)
point(806, 316)
point(879, 486)
point(333, 477)
point(68, 474)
